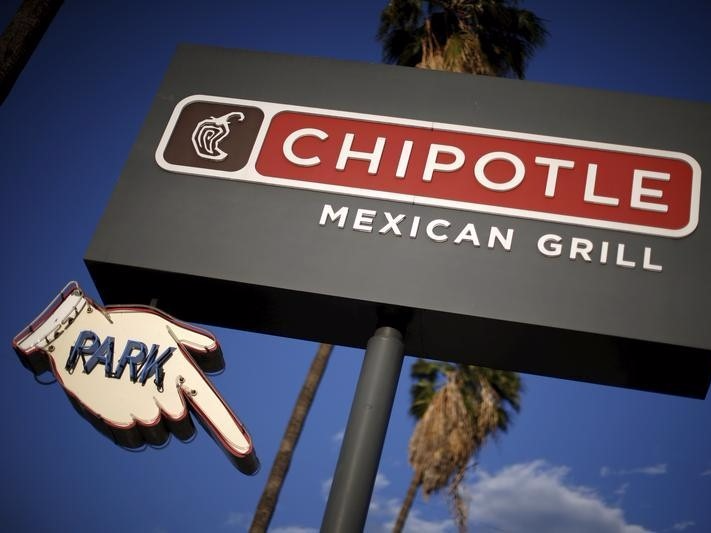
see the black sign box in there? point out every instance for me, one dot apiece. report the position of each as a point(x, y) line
point(265, 258)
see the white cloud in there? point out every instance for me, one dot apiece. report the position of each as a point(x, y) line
point(652, 470)
point(706, 472)
point(381, 481)
point(655, 470)
point(326, 487)
point(622, 490)
point(338, 437)
point(294, 529)
point(681, 526)
point(415, 523)
point(620, 493)
point(536, 497)
point(236, 520)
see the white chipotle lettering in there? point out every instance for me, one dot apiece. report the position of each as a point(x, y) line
point(642, 190)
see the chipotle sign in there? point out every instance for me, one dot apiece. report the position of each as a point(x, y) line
point(637, 189)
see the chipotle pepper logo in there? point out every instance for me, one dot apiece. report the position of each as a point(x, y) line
point(645, 190)
point(209, 133)
point(213, 136)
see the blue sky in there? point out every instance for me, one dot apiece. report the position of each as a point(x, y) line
point(579, 457)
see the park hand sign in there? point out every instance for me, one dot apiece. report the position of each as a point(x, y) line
point(134, 372)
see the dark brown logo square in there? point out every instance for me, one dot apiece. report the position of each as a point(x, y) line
point(214, 136)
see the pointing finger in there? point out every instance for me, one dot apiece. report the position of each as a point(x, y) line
point(200, 344)
point(215, 416)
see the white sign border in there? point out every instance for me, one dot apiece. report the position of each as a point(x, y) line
point(249, 172)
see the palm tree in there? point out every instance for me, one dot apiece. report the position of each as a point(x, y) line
point(282, 461)
point(479, 36)
point(492, 37)
point(457, 409)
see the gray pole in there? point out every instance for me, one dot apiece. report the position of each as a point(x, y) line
point(352, 487)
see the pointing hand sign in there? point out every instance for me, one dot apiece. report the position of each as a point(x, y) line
point(134, 373)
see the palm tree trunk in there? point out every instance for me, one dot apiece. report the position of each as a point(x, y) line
point(21, 37)
point(282, 461)
point(407, 503)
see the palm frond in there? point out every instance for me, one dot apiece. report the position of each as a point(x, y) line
point(427, 376)
point(443, 439)
point(491, 37)
point(400, 32)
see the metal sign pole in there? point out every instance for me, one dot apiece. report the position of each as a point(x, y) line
point(348, 501)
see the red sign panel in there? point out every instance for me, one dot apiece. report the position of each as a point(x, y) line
point(524, 175)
